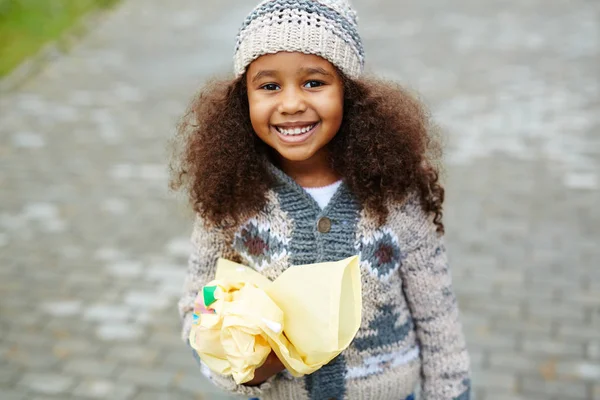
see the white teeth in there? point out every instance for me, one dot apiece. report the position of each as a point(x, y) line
point(295, 131)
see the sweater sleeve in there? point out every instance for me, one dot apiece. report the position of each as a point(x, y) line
point(207, 246)
point(428, 288)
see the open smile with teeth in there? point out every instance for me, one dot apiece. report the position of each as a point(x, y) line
point(295, 131)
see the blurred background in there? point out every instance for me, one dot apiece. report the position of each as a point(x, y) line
point(93, 247)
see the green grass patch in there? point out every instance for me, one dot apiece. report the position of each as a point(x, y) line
point(26, 25)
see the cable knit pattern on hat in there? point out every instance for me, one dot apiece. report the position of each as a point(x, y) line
point(327, 28)
point(410, 324)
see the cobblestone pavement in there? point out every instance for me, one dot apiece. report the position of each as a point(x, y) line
point(93, 247)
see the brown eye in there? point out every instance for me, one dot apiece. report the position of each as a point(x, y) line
point(313, 84)
point(270, 86)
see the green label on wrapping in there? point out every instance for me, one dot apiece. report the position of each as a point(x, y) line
point(208, 292)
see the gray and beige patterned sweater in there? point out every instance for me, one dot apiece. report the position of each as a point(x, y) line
point(410, 328)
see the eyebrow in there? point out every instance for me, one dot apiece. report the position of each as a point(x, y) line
point(314, 70)
point(305, 71)
point(264, 73)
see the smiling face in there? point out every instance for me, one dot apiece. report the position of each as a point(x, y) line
point(296, 104)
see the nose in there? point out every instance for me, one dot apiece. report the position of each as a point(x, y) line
point(292, 101)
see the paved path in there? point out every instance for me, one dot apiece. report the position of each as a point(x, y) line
point(93, 248)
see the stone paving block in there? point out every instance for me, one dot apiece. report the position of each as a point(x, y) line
point(8, 374)
point(60, 331)
point(62, 308)
point(170, 341)
point(105, 312)
point(67, 348)
point(520, 325)
point(477, 394)
point(579, 370)
point(541, 282)
point(198, 384)
point(104, 389)
point(496, 380)
point(479, 358)
point(482, 305)
point(28, 338)
point(166, 323)
point(521, 293)
point(32, 358)
point(14, 303)
point(147, 378)
point(493, 394)
point(576, 332)
point(592, 351)
point(146, 300)
point(491, 340)
point(165, 273)
point(179, 358)
point(47, 383)
point(514, 361)
point(551, 347)
point(570, 390)
point(26, 322)
point(89, 367)
point(498, 277)
point(133, 354)
point(45, 397)
point(167, 395)
point(554, 311)
point(125, 269)
point(12, 394)
point(179, 247)
point(585, 298)
point(84, 280)
point(119, 331)
point(470, 284)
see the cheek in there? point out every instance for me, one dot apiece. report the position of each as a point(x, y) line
point(259, 114)
point(332, 109)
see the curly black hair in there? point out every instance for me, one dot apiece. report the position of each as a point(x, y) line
point(385, 149)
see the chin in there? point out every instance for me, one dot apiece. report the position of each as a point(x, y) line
point(295, 156)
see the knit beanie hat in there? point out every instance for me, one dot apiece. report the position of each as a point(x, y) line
point(327, 28)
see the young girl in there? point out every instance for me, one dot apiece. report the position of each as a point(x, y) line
point(299, 160)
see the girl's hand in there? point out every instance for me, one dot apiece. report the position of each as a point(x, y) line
point(271, 367)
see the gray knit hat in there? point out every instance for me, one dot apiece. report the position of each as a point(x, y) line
point(327, 28)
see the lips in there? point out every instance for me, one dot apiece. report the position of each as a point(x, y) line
point(297, 130)
point(287, 133)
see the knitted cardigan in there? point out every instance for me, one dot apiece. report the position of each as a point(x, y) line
point(410, 325)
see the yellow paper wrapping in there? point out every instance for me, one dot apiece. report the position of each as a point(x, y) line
point(308, 315)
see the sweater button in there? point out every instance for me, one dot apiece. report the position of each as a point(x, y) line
point(324, 225)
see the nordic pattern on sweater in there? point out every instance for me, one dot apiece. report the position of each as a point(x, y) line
point(410, 323)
